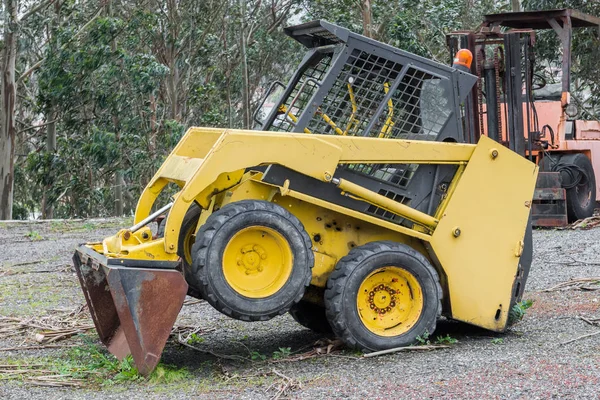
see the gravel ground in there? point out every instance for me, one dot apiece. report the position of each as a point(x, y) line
point(527, 362)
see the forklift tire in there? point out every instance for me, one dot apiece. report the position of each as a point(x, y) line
point(581, 194)
point(253, 260)
point(383, 295)
point(311, 316)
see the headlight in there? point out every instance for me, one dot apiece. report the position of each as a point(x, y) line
point(571, 110)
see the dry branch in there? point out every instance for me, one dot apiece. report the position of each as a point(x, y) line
point(48, 329)
point(323, 347)
point(192, 301)
point(224, 356)
point(579, 283)
point(410, 348)
point(580, 337)
point(591, 321)
point(47, 346)
point(587, 223)
point(285, 385)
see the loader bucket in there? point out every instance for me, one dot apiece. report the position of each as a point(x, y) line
point(133, 306)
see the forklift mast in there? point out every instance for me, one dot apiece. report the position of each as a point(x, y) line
point(506, 104)
point(500, 105)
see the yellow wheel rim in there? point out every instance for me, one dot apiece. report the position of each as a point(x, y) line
point(389, 301)
point(257, 262)
point(188, 242)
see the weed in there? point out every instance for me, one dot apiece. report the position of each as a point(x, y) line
point(195, 339)
point(256, 356)
point(168, 374)
point(34, 235)
point(498, 341)
point(424, 338)
point(357, 353)
point(445, 340)
point(283, 352)
point(518, 311)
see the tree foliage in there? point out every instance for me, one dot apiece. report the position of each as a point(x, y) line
point(117, 82)
point(123, 80)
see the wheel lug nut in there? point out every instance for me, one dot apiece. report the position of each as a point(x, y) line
point(380, 287)
point(372, 306)
point(392, 304)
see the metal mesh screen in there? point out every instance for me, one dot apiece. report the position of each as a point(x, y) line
point(376, 96)
point(356, 93)
point(301, 94)
point(418, 109)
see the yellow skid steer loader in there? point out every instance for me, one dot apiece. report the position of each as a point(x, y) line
point(354, 206)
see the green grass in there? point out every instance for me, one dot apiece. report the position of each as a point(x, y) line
point(29, 299)
point(195, 339)
point(424, 339)
point(97, 367)
point(34, 236)
point(445, 340)
point(283, 352)
point(89, 226)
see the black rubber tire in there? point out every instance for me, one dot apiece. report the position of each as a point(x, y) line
point(211, 240)
point(190, 221)
point(311, 316)
point(581, 199)
point(351, 270)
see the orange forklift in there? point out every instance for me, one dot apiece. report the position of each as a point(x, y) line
point(514, 105)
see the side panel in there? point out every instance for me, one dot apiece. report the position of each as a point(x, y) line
point(480, 236)
point(587, 130)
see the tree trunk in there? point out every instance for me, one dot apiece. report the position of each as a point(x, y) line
point(153, 127)
point(47, 206)
point(367, 18)
point(7, 110)
point(516, 5)
point(172, 89)
point(245, 95)
point(119, 182)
